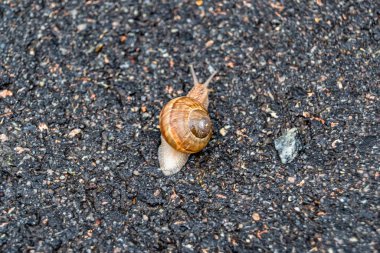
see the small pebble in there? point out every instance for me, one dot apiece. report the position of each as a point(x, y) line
point(74, 132)
point(224, 130)
point(81, 27)
point(5, 93)
point(42, 127)
point(209, 43)
point(256, 216)
point(3, 138)
point(288, 145)
point(353, 239)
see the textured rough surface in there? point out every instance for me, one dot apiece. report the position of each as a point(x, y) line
point(81, 87)
point(288, 145)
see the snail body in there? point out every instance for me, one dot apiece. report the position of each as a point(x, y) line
point(185, 127)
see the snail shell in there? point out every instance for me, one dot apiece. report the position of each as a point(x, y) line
point(185, 127)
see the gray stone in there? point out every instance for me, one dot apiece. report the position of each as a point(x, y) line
point(288, 145)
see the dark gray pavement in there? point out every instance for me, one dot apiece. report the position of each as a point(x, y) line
point(81, 87)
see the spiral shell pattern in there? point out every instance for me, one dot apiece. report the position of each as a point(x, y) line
point(185, 125)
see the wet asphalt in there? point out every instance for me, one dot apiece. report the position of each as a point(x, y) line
point(82, 84)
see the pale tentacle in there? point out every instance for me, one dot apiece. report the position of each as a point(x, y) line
point(209, 79)
point(195, 79)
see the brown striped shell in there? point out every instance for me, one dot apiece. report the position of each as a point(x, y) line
point(185, 125)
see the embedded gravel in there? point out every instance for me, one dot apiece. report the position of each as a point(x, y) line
point(81, 87)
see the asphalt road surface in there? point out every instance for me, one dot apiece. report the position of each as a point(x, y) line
point(82, 84)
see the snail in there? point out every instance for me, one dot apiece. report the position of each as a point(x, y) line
point(185, 127)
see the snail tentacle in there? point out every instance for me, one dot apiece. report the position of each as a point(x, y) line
point(208, 81)
point(195, 79)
